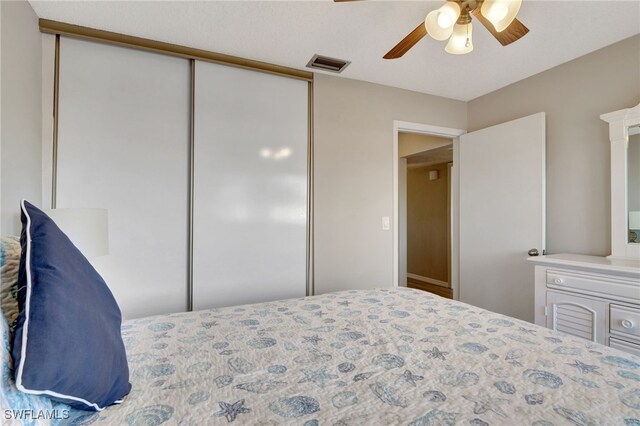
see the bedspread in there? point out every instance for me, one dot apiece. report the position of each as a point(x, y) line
point(388, 356)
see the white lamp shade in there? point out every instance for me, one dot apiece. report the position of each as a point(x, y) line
point(460, 41)
point(86, 228)
point(634, 220)
point(500, 13)
point(440, 22)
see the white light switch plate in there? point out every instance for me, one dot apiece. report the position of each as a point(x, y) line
point(386, 223)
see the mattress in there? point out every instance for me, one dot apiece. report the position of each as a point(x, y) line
point(388, 356)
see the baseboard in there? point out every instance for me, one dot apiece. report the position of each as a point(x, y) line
point(429, 280)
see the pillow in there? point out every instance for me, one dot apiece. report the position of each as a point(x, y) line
point(9, 264)
point(10, 397)
point(67, 343)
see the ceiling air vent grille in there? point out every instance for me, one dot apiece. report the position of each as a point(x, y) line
point(326, 63)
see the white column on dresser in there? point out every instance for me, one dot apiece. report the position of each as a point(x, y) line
point(619, 124)
point(123, 145)
point(250, 199)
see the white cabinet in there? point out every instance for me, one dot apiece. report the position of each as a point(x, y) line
point(575, 315)
point(594, 298)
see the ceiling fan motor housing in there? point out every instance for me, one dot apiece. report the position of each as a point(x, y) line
point(466, 7)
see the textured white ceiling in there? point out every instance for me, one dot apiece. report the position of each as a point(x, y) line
point(290, 32)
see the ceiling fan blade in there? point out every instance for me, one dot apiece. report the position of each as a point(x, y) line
point(512, 33)
point(407, 43)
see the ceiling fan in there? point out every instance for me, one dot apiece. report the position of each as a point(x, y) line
point(453, 21)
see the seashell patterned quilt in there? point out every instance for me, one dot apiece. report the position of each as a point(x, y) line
point(390, 356)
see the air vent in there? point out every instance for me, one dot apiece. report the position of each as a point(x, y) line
point(326, 63)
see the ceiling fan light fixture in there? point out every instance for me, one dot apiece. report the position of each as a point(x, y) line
point(440, 22)
point(460, 41)
point(500, 13)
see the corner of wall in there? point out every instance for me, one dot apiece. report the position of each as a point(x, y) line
point(20, 110)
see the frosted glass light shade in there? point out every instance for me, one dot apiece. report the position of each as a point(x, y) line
point(440, 22)
point(500, 13)
point(86, 228)
point(460, 41)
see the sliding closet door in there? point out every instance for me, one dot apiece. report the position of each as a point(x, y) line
point(250, 211)
point(124, 131)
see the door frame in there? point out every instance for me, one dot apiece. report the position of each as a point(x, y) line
point(430, 130)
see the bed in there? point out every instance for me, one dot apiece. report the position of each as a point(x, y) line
point(387, 356)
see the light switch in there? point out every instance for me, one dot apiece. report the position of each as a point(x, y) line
point(386, 223)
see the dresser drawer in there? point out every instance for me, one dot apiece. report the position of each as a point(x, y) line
point(617, 288)
point(628, 347)
point(624, 321)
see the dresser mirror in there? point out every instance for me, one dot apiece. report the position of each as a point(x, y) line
point(624, 136)
point(633, 184)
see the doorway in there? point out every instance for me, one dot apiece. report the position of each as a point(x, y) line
point(497, 204)
point(427, 185)
point(423, 144)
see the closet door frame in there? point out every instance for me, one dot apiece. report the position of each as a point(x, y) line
point(51, 96)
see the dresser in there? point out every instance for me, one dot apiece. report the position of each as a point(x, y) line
point(595, 298)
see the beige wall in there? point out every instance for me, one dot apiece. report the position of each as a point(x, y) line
point(412, 143)
point(573, 95)
point(353, 166)
point(20, 118)
point(353, 175)
point(428, 222)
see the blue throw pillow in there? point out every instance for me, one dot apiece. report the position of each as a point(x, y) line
point(67, 343)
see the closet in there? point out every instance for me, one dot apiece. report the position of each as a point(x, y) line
point(250, 201)
point(203, 168)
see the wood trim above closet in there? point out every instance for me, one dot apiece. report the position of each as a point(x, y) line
point(61, 28)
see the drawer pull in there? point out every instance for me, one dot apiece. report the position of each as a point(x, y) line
point(558, 281)
point(625, 323)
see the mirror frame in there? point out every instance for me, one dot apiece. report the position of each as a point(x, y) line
point(619, 123)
